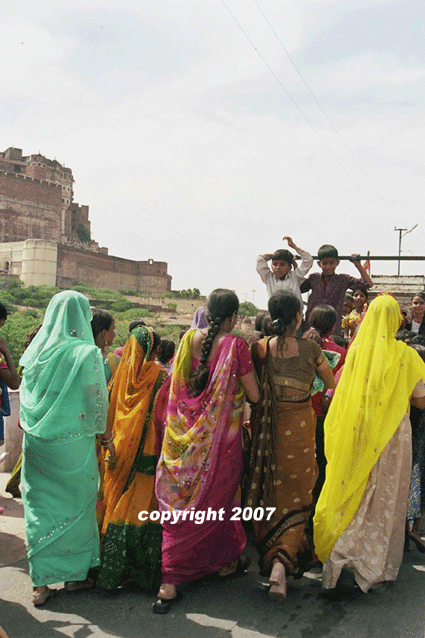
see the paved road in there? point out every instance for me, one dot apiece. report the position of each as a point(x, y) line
point(234, 609)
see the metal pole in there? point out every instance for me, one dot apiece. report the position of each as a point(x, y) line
point(379, 257)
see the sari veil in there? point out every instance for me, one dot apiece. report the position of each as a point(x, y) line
point(370, 401)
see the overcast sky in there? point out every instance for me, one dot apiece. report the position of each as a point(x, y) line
point(175, 119)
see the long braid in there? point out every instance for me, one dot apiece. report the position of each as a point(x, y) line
point(198, 378)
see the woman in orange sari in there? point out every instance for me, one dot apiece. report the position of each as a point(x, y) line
point(131, 547)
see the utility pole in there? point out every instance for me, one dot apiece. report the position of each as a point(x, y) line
point(253, 295)
point(401, 233)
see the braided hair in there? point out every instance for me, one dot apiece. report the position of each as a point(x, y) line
point(221, 305)
point(283, 308)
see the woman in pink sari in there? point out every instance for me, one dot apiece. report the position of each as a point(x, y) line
point(200, 466)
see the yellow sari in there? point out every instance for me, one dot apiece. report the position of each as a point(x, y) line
point(370, 401)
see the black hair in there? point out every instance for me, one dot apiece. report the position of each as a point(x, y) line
point(327, 250)
point(348, 296)
point(3, 312)
point(362, 289)
point(182, 334)
point(340, 341)
point(417, 294)
point(31, 336)
point(101, 320)
point(418, 340)
point(135, 323)
point(259, 317)
point(404, 335)
point(323, 318)
point(265, 326)
point(156, 341)
point(283, 255)
point(420, 349)
point(283, 307)
point(166, 351)
point(221, 305)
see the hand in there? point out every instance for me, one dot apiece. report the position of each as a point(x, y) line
point(355, 258)
point(290, 242)
point(111, 450)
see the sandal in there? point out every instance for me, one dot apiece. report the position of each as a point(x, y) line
point(40, 597)
point(240, 570)
point(75, 585)
point(277, 582)
point(163, 605)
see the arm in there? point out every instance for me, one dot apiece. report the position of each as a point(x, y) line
point(262, 267)
point(305, 286)
point(363, 273)
point(325, 373)
point(306, 259)
point(418, 402)
point(9, 374)
point(250, 385)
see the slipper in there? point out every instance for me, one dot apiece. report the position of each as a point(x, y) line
point(40, 597)
point(75, 585)
point(240, 570)
point(163, 605)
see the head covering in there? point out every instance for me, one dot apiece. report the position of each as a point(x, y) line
point(370, 401)
point(63, 392)
point(199, 318)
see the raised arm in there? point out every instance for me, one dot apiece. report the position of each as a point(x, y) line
point(262, 266)
point(362, 271)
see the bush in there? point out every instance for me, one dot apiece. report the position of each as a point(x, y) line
point(16, 329)
point(172, 306)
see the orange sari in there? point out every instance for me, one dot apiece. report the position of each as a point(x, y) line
point(131, 548)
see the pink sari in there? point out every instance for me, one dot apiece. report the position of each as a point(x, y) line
point(200, 467)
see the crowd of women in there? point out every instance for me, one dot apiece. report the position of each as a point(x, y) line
point(135, 473)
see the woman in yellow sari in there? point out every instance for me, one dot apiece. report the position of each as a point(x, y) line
point(360, 515)
point(132, 547)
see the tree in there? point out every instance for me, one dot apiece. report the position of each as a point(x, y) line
point(248, 309)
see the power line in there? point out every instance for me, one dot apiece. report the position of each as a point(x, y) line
point(323, 111)
point(298, 108)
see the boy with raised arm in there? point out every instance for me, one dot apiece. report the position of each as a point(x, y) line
point(283, 276)
point(328, 287)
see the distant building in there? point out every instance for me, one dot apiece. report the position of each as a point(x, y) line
point(45, 237)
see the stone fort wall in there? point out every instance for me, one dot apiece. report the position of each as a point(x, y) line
point(36, 203)
point(29, 209)
point(107, 271)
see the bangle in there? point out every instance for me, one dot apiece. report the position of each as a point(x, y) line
point(106, 442)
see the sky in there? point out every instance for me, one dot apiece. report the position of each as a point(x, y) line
point(194, 140)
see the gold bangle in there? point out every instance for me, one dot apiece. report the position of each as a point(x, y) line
point(107, 442)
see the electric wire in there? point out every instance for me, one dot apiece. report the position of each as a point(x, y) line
point(299, 109)
point(365, 175)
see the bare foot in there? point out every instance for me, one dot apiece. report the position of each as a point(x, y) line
point(167, 591)
point(229, 568)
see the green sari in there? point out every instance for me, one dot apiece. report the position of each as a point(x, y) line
point(63, 406)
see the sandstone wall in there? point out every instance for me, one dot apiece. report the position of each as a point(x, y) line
point(29, 209)
point(106, 271)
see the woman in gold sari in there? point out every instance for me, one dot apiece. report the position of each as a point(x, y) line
point(132, 547)
point(360, 515)
point(283, 462)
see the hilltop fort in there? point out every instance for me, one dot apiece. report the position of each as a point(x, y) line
point(45, 237)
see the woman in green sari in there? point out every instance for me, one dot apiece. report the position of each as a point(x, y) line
point(63, 405)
